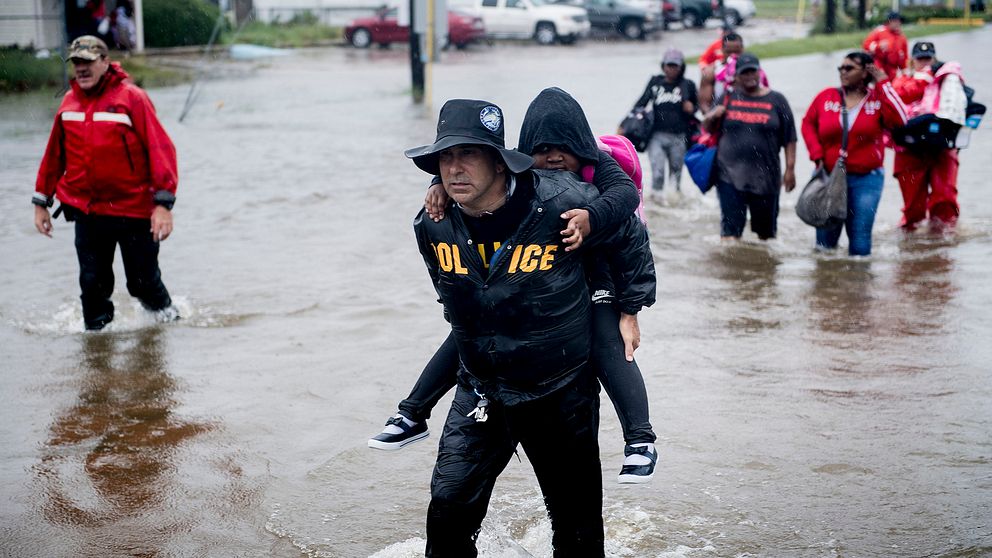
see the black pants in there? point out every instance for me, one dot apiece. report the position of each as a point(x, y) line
point(97, 237)
point(622, 380)
point(558, 432)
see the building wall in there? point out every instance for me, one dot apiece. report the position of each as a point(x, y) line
point(330, 12)
point(34, 23)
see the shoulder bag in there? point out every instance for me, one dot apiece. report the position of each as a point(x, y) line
point(823, 200)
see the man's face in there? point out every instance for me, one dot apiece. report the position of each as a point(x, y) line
point(473, 176)
point(88, 73)
point(554, 157)
point(895, 25)
point(921, 64)
point(732, 47)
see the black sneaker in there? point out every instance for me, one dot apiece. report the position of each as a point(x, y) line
point(638, 472)
point(398, 433)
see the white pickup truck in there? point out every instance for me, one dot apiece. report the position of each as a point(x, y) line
point(525, 19)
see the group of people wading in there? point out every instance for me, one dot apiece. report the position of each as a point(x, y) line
point(539, 255)
point(541, 275)
point(881, 93)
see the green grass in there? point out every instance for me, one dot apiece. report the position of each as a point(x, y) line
point(780, 9)
point(290, 35)
point(839, 41)
point(20, 71)
point(786, 10)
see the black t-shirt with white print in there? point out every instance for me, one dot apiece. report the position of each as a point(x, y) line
point(666, 98)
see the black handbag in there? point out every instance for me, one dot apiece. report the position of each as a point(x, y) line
point(823, 200)
point(638, 126)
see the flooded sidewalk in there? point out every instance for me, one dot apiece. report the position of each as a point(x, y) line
point(806, 405)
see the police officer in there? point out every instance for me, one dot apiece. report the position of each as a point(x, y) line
point(520, 311)
point(113, 169)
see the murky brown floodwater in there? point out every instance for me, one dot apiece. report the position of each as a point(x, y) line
point(807, 405)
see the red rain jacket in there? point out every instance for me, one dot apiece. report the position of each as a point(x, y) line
point(889, 48)
point(108, 153)
point(881, 110)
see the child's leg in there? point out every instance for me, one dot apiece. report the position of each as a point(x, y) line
point(437, 378)
point(621, 379)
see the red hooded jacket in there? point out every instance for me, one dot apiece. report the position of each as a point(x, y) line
point(108, 153)
point(880, 110)
point(889, 48)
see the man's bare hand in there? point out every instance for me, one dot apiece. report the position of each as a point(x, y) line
point(577, 229)
point(630, 331)
point(43, 221)
point(161, 223)
point(435, 202)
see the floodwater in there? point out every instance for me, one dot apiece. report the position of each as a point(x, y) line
point(806, 405)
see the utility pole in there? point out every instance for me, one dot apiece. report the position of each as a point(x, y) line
point(416, 61)
point(862, 8)
point(830, 18)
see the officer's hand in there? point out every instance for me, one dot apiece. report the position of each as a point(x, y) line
point(578, 228)
point(631, 333)
point(43, 221)
point(161, 223)
point(435, 202)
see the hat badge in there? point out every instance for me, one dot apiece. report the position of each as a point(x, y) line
point(491, 118)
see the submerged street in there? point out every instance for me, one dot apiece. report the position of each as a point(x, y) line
point(807, 405)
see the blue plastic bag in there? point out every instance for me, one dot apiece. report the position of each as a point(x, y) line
point(699, 160)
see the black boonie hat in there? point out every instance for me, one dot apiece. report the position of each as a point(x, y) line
point(924, 49)
point(467, 121)
point(747, 61)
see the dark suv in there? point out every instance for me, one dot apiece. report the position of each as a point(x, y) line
point(616, 15)
point(695, 12)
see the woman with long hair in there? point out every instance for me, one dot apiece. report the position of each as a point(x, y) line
point(872, 107)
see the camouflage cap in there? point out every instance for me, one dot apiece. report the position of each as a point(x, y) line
point(87, 47)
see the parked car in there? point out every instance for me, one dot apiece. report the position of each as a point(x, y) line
point(671, 11)
point(735, 12)
point(384, 29)
point(694, 13)
point(622, 16)
point(546, 23)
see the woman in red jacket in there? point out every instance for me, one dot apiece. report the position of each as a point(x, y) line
point(872, 108)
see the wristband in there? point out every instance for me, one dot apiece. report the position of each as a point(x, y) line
point(41, 200)
point(165, 199)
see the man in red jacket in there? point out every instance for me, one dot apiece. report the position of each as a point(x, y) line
point(113, 169)
point(888, 46)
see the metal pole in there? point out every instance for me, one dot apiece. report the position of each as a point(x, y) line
point(430, 54)
point(139, 26)
point(416, 62)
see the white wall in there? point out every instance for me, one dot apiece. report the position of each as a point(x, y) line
point(41, 26)
point(331, 12)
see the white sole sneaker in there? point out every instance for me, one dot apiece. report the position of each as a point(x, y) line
point(393, 446)
point(634, 479)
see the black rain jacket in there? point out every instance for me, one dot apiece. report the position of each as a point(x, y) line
point(523, 326)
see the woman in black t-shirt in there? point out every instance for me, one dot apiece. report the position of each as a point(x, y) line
point(674, 101)
point(754, 124)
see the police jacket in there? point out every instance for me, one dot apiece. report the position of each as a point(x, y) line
point(523, 326)
point(108, 153)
